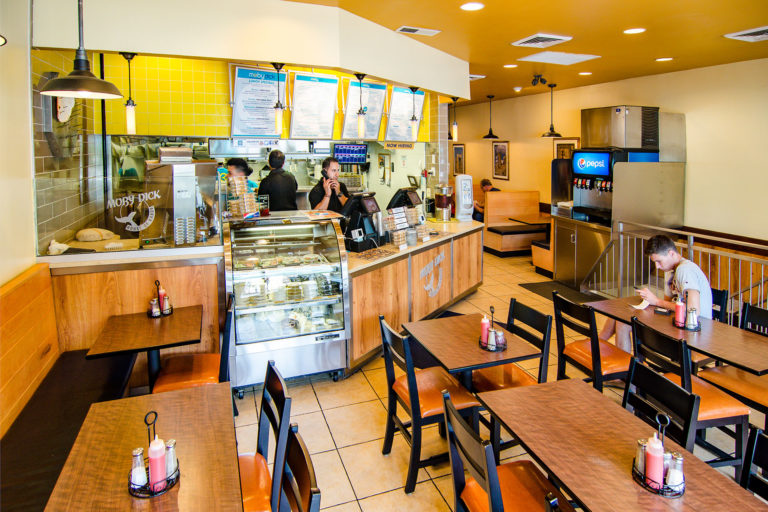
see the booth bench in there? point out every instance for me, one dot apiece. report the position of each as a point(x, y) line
point(503, 236)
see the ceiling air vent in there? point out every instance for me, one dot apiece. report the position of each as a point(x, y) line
point(541, 41)
point(752, 35)
point(472, 78)
point(417, 31)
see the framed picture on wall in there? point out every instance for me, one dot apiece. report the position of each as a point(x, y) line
point(458, 159)
point(564, 147)
point(500, 161)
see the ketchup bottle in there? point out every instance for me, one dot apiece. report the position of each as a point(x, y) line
point(485, 324)
point(156, 456)
point(679, 312)
point(654, 462)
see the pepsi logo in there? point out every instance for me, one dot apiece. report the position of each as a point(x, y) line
point(581, 163)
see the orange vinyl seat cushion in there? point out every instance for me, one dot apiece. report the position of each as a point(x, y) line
point(744, 384)
point(714, 403)
point(523, 488)
point(501, 377)
point(612, 358)
point(430, 383)
point(255, 482)
point(186, 371)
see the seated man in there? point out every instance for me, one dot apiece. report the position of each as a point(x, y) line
point(486, 186)
point(682, 277)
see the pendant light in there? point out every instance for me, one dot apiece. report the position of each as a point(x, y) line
point(490, 135)
point(551, 132)
point(130, 106)
point(361, 110)
point(414, 119)
point(278, 106)
point(454, 133)
point(81, 83)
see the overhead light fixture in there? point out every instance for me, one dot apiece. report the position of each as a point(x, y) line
point(551, 132)
point(517, 89)
point(490, 135)
point(634, 31)
point(585, 73)
point(510, 66)
point(3, 40)
point(361, 110)
point(81, 83)
point(538, 79)
point(664, 59)
point(414, 119)
point(454, 133)
point(130, 106)
point(561, 58)
point(278, 106)
point(472, 6)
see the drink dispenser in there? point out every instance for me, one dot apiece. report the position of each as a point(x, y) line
point(464, 199)
point(443, 195)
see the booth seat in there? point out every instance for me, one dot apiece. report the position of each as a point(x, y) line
point(504, 237)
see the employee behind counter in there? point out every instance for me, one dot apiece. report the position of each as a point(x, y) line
point(279, 185)
point(329, 193)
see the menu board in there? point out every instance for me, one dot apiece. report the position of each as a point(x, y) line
point(401, 109)
point(255, 95)
point(313, 106)
point(373, 103)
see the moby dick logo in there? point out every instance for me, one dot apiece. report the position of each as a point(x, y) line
point(428, 273)
point(129, 201)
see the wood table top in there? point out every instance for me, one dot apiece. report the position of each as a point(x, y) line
point(138, 332)
point(741, 348)
point(588, 442)
point(453, 341)
point(540, 218)
point(95, 476)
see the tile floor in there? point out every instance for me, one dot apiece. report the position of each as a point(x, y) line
point(343, 422)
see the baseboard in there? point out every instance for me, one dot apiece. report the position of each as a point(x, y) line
point(544, 272)
point(507, 254)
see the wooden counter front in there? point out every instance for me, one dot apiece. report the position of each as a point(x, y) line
point(467, 262)
point(431, 279)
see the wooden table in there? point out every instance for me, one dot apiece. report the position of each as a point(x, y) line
point(138, 332)
point(95, 476)
point(587, 442)
point(540, 218)
point(453, 342)
point(741, 348)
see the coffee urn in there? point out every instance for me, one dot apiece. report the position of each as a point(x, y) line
point(443, 195)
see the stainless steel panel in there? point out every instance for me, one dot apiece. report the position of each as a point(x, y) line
point(649, 193)
point(565, 251)
point(590, 243)
point(619, 126)
point(672, 147)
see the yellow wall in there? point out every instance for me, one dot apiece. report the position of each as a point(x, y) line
point(726, 113)
point(17, 207)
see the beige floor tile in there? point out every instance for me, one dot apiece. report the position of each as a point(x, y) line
point(433, 444)
point(354, 389)
point(425, 497)
point(314, 430)
point(373, 473)
point(352, 506)
point(247, 410)
point(357, 423)
point(464, 307)
point(375, 363)
point(444, 484)
point(378, 380)
point(246, 438)
point(332, 479)
point(303, 399)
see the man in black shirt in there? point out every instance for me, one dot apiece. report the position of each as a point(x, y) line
point(279, 185)
point(329, 194)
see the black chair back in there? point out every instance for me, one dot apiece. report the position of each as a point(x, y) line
point(468, 451)
point(661, 352)
point(539, 322)
point(299, 480)
point(756, 454)
point(647, 393)
point(397, 351)
point(224, 351)
point(274, 415)
point(754, 319)
point(719, 305)
point(581, 319)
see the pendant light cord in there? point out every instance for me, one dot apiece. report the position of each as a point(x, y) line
point(81, 59)
point(551, 105)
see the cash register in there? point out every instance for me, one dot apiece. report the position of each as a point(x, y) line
point(359, 232)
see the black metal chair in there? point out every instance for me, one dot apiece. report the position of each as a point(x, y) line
point(511, 375)
point(672, 357)
point(260, 490)
point(719, 313)
point(300, 491)
point(742, 385)
point(653, 394)
point(513, 486)
point(419, 393)
point(600, 360)
point(756, 454)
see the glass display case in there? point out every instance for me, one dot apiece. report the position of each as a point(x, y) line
point(289, 280)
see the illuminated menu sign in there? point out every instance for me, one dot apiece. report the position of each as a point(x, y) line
point(255, 95)
point(591, 163)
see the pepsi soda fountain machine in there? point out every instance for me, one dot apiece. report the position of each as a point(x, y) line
point(592, 185)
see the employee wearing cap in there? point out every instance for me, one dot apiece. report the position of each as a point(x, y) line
point(329, 193)
point(279, 185)
point(239, 167)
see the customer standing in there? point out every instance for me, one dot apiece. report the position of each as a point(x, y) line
point(279, 185)
point(328, 193)
point(486, 186)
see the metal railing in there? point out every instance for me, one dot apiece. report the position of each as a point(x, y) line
point(622, 266)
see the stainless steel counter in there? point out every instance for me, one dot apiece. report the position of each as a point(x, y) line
point(577, 245)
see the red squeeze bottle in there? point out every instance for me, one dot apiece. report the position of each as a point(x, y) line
point(679, 312)
point(654, 462)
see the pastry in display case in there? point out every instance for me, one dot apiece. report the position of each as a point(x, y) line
point(289, 279)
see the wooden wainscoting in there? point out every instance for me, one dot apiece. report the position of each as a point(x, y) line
point(29, 344)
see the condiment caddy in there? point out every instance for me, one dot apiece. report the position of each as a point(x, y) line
point(655, 469)
point(159, 471)
point(685, 318)
point(491, 339)
point(161, 304)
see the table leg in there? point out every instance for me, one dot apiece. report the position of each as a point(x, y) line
point(465, 378)
point(153, 367)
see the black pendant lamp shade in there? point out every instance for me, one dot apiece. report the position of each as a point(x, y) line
point(81, 83)
point(490, 135)
point(551, 132)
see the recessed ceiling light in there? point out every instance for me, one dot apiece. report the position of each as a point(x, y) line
point(585, 73)
point(509, 66)
point(663, 59)
point(472, 6)
point(562, 58)
point(517, 89)
point(634, 31)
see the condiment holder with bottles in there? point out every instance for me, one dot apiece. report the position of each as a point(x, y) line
point(161, 304)
point(685, 318)
point(654, 468)
point(159, 471)
point(492, 340)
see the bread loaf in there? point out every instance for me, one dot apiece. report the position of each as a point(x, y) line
point(94, 235)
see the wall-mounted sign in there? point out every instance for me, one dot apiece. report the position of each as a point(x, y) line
point(398, 145)
point(134, 211)
point(253, 113)
point(314, 106)
point(373, 103)
point(402, 107)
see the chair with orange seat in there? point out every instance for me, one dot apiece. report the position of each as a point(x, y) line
point(672, 357)
point(261, 492)
point(419, 393)
point(600, 360)
point(756, 454)
point(509, 487)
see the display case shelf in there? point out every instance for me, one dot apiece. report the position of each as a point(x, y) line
point(325, 300)
point(244, 275)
